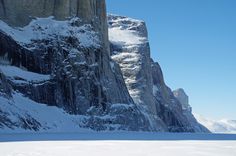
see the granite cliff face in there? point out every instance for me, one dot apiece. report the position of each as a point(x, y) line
point(63, 61)
point(130, 49)
point(21, 12)
point(56, 72)
point(45, 53)
point(144, 78)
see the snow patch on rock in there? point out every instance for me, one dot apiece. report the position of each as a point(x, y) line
point(48, 28)
point(17, 73)
point(125, 28)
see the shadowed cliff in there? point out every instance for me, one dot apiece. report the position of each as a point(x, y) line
point(20, 12)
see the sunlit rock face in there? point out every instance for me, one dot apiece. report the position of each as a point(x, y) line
point(130, 49)
point(144, 77)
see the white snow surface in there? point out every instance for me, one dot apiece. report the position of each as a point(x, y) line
point(217, 126)
point(126, 37)
point(48, 28)
point(47, 145)
point(155, 89)
point(52, 119)
point(118, 148)
point(122, 34)
point(15, 72)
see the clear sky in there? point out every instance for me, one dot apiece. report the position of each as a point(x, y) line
point(195, 43)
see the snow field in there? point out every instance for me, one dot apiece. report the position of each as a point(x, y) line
point(119, 148)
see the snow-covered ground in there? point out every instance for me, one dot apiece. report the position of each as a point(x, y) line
point(115, 144)
point(20, 107)
point(118, 148)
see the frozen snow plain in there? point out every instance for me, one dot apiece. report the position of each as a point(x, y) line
point(116, 144)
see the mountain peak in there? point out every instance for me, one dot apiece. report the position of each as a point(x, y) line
point(183, 98)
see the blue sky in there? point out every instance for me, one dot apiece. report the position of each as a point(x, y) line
point(195, 43)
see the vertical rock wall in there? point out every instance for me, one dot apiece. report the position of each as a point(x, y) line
point(83, 79)
point(144, 77)
point(106, 85)
point(21, 12)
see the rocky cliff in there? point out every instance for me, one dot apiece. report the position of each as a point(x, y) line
point(20, 13)
point(130, 49)
point(56, 71)
point(45, 52)
point(64, 61)
point(144, 78)
point(183, 99)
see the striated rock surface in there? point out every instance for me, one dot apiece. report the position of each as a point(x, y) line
point(21, 12)
point(130, 49)
point(64, 62)
point(56, 72)
point(144, 78)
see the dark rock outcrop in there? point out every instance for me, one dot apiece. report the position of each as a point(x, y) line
point(172, 112)
point(183, 99)
point(5, 88)
point(92, 79)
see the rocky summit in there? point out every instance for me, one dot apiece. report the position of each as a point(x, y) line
point(59, 71)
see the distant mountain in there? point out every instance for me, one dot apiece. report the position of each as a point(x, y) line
point(217, 126)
